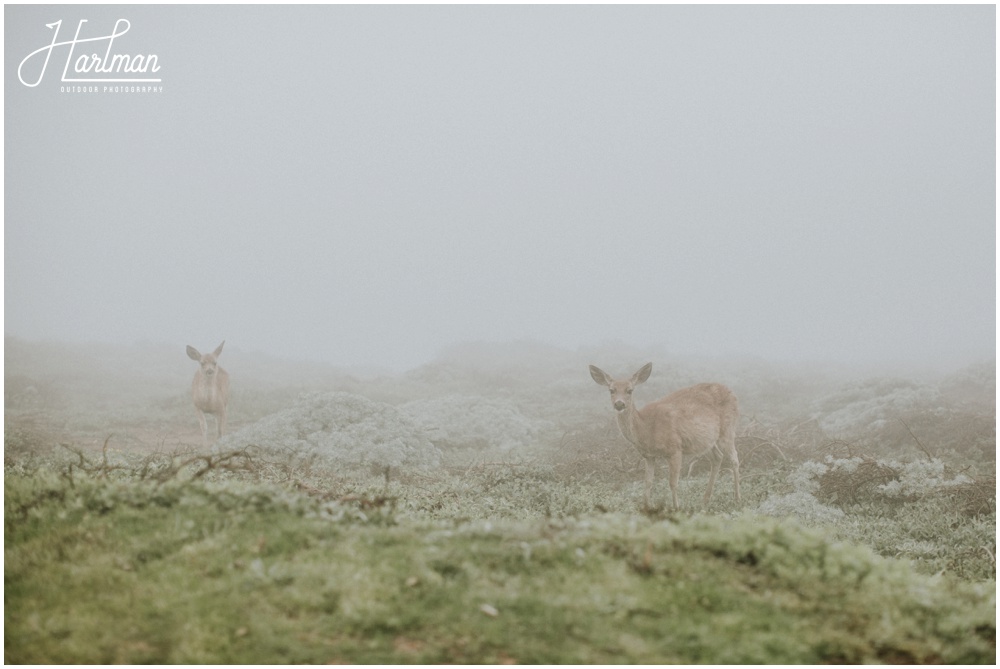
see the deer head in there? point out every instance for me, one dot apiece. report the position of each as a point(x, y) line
point(209, 362)
point(621, 389)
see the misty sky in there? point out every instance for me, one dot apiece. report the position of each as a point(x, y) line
point(367, 185)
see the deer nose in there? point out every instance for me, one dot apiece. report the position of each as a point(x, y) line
point(619, 405)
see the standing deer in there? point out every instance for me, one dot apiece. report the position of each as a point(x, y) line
point(210, 389)
point(692, 421)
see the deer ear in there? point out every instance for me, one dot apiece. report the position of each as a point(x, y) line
point(600, 376)
point(218, 350)
point(643, 374)
point(193, 353)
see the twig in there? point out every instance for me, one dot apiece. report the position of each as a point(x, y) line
point(922, 448)
point(102, 472)
point(213, 462)
point(765, 442)
point(369, 503)
point(316, 492)
point(69, 470)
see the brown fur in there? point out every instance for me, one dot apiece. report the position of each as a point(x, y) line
point(691, 421)
point(210, 389)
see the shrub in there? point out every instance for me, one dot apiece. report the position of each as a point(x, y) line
point(921, 511)
point(862, 478)
point(919, 478)
point(765, 446)
point(870, 405)
point(973, 387)
point(338, 429)
point(940, 432)
point(596, 454)
point(801, 505)
point(473, 421)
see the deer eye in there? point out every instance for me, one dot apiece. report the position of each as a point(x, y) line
point(629, 391)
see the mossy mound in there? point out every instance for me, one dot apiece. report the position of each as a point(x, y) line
point(209, 572)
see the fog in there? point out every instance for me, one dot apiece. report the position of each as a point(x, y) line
point(369, 186)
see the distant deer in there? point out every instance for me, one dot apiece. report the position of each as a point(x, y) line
point(210, 389)
point(692, 421)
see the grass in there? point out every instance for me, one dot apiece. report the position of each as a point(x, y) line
point(105, 570)
point(126, 540)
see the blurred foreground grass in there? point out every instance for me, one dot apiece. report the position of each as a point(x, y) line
point(99, 570)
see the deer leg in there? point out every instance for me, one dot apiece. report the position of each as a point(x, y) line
point(716, 465)
point(675, 476)
point(220, 420)
point(202, 423)
point(727, 447)
point(650, 473)
point(734, 459)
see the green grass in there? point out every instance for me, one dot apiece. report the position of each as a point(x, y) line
point(132, 545)
point(108, 571)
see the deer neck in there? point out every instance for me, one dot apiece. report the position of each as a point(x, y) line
point(208, 386)
point(631, 425)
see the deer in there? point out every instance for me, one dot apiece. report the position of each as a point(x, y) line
point(692, 421)
point(209, 389)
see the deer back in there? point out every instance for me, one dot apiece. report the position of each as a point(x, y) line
point(692, 419)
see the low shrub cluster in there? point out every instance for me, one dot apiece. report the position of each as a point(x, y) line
point(920, 510)
point(474, 425)
point(867, 406)
point(337, 429)
point(596, 454)
point(863, 479)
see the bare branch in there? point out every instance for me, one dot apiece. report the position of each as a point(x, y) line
point(922, 447)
